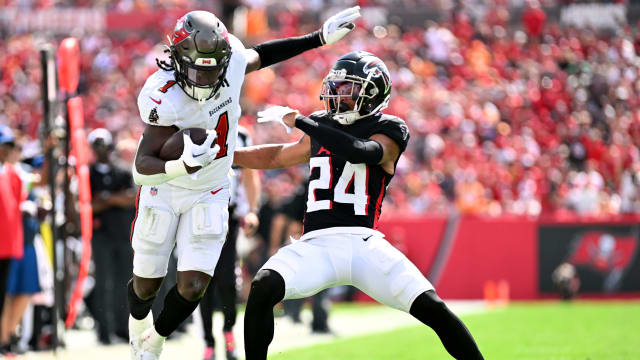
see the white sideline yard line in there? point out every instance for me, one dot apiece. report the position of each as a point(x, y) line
point(345, 323)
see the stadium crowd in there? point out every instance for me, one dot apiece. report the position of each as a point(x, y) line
point(505, 120)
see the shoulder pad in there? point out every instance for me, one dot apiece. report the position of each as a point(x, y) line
point(236, 44)
point(238, 58)
point(159, 99)
point(237, 49)
point(392, 118)
point(396, 121)
point(395, 128)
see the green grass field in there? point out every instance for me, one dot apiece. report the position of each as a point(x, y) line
point(522, 331)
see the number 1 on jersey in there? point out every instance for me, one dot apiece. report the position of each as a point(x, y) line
point(166, 86)
point(222, 129)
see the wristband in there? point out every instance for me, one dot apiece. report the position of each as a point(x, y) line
point(175, 168)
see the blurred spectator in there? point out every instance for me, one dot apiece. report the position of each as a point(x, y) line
point(11, 241)
point(23, 280)
point(113, 200)
point(566, 281)
point(277, 184)
point(16, 277)
point(533, 19)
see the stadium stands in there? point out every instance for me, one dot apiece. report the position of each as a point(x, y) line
point(502, 122)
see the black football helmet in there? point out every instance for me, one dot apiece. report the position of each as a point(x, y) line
point(200, 54)
point(367, 82)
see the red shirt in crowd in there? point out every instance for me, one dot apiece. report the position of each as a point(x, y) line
point(11, 239)
point(533, 20)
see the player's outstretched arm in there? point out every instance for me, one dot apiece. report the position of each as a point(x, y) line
point(377, 150)
point(274, 156)
point(275, 51)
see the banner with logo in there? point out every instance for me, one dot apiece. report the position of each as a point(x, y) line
point(606, 257)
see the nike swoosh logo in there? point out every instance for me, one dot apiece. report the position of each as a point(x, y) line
point(156, 101)
point(367, 238)
point(215, 191)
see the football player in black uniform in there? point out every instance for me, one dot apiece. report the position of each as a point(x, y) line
point(352, 150)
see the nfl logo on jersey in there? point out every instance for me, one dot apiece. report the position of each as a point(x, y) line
point(153, 191)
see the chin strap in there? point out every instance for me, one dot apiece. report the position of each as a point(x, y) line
point(347, 118)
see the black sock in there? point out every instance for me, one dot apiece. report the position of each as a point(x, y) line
point(228, 298)
point(176, 309)
point(267, 289)
point(456, 338)
point(206, 311)
point(138, 308)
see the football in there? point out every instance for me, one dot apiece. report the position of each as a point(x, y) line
point(172, 148)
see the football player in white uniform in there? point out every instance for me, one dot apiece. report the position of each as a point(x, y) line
point(183, 203)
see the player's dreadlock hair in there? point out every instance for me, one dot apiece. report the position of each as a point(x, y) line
point(166, 66)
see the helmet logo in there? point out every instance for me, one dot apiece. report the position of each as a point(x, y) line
point(405, 131)
point(371, 67)
point(179, 32)
point(207, 62)
point(376, 68)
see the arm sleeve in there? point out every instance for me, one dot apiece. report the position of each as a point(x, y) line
point(155, 179)
point(275, 51)
point(353, 149)
point(172, 169)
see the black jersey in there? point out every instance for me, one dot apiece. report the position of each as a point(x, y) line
point(340, 193)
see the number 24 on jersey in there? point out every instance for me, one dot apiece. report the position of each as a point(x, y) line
point(353, 174)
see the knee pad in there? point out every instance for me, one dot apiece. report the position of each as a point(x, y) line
point(267, 285)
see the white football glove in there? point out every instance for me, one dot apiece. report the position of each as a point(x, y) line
point(339, 25)
point(199, 155)
point(276, 113)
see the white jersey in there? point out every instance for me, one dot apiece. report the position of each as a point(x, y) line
point(163, 103)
